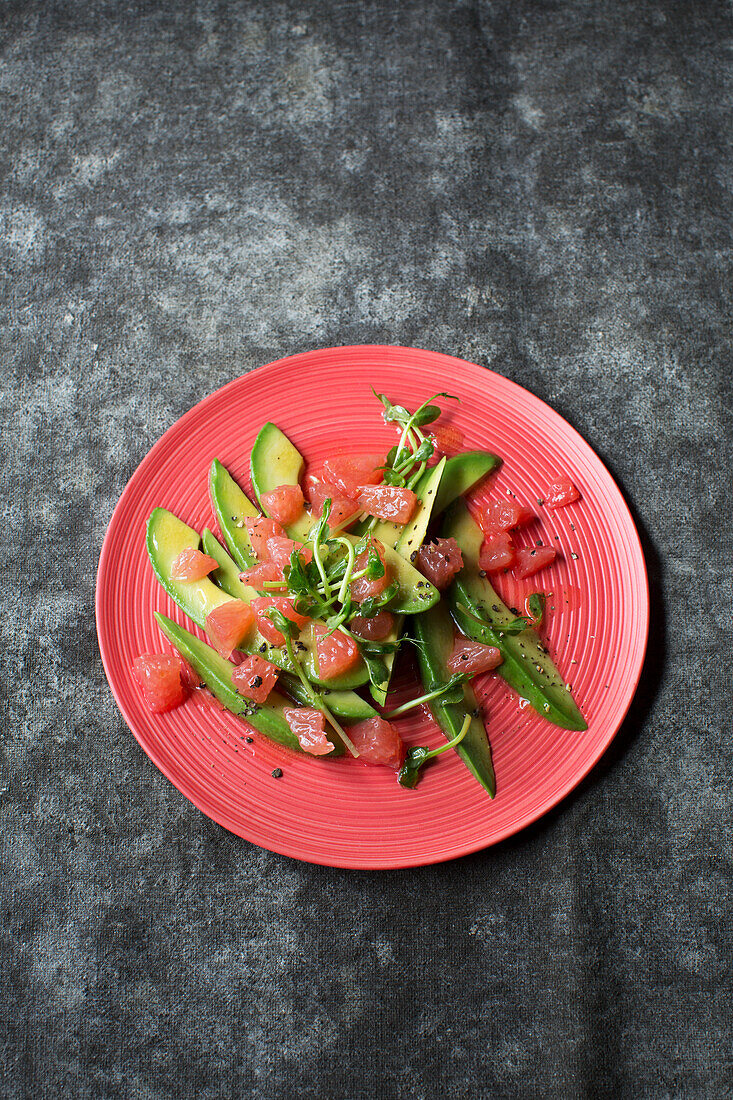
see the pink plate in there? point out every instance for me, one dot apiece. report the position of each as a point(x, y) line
point(340, 813)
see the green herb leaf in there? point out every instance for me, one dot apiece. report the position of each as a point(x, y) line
point(313, 606)
point(374, 568)
point(426, 415)
point(392, 477)
point(374, 604)
point(385, 400)
point(425, 451)
point(286, 626)
point(515, 626)
point(419, 755)
point(333, 622)
point(396, 412)
point(298, 574)
point(410, 770)
point(391, 412)
point(322, 532)
point(536, 607)
point(367, 608)
point(376, 667)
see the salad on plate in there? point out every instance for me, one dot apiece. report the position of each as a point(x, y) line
point(307, 597)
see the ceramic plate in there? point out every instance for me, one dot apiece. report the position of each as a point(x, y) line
point(341, 813)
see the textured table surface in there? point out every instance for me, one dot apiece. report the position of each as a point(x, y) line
point(190, 190)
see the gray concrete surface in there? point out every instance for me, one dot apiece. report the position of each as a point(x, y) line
point(192, 189)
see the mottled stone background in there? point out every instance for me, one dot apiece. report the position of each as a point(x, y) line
point(192, 189)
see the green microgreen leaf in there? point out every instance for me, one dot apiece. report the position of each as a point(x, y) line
point(374, 568)
point(426, 415)
point(396, 412)
point(333, 622)
point(405, 463)
point(410, 770)
point(535, 605)
point(313, 606)
point(297, 574)
point(392, 477)
point(378, 672)
point(320, 532)
point(374, 604)
point(286, 626)
point(420, 754)
point(514, 626)
point(444, 689)
point(425, 451)
point(385, 400)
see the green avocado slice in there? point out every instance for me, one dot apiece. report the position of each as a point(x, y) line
point(216, 672)
point(274, 461)
point(527, 665)
point(232, 508)
point(407, 541)
point(461, 473)
point(434, 631)
point(166, 537)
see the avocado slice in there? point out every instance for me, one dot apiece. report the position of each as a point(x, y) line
point(461, 473)
point(232, 508)
point(216, 672)
point(527, 666)
point(406, 541)
point(227, 573)
point(166, 537)
point(434, 631)
point(275, 461)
